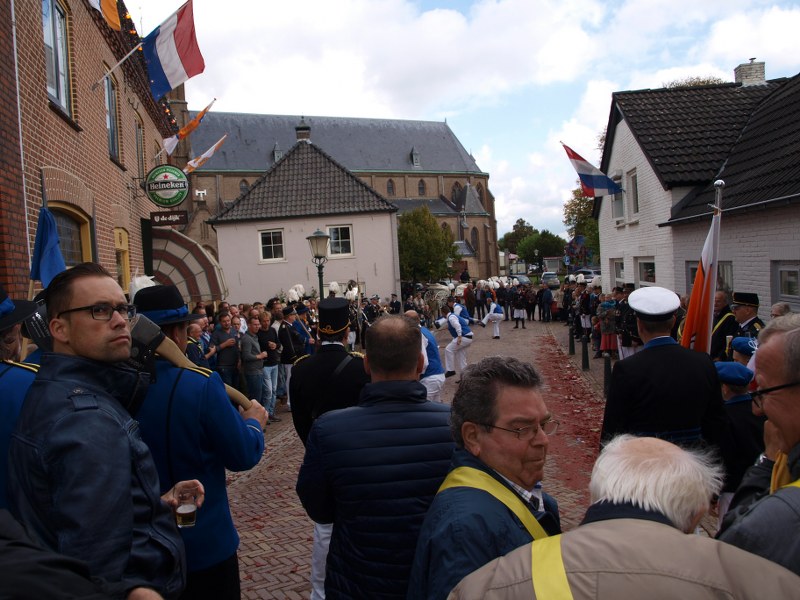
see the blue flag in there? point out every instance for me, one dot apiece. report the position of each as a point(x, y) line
point(47, 259)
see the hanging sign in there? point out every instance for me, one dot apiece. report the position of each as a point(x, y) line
point(166, 186)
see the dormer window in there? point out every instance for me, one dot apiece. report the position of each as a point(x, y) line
point(415, 157)
point(277, 153)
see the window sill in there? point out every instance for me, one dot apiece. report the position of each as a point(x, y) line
point(619, 223)
point(117, 162)
point(59, 110)
point(635, 221)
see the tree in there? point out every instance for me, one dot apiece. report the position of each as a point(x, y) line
point(579, 220)
point(521, 230)
point(694, 80)
point(424, 246)
point(547, 243)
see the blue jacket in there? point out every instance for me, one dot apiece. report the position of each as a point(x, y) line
point(15, 379)
point(86, 483)
point(466, 528)
point(372, 470)
point(196, 433)
point(432, 350)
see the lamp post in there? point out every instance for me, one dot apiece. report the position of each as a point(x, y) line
point(318, 242)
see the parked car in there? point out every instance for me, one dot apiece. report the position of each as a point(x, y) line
point(522, 279)
point(588, 274)
point(551, 279)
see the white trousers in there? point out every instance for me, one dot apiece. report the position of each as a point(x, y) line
point(434, 385)
point(455, 354)
point(495, 318)
point(319, 556)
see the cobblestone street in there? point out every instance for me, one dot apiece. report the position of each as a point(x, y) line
point(275, 532)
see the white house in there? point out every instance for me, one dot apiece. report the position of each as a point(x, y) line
point(666, 147)
point(262, 242)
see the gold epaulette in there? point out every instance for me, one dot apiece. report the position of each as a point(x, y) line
point(305, 356)
point(200, 370)
point(356, 354)
point(30, 367)
point(757, 326)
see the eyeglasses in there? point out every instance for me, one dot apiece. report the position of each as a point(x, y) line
point(757, 396)
point(528, 433)
point(104, 311)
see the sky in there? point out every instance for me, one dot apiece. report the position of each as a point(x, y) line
point(512, 78)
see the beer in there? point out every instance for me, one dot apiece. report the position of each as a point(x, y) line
point(186, 515)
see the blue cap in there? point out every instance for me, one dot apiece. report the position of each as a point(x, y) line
point(744, 345)
point(734, 373)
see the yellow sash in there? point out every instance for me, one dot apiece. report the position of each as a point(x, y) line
point(475, 478)
point(547, 570)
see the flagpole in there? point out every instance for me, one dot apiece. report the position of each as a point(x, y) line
point(112, 69)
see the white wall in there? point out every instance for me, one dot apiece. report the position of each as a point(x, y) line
point(374, 260)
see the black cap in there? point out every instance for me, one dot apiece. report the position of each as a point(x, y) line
point(334, 315)
point(163, 305)
point(13, 311)
point(745, 299)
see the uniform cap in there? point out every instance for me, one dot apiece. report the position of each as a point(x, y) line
point(334, 315)
point(733, 373)
point(163, 305)
point(744, 345)
point(13, 311)
point(745, 299)
point(654, 303)
point(289, 310)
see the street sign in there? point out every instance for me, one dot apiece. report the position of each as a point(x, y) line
point(170, 217)
point(166, 186)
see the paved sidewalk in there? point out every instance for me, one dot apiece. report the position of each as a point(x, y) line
point(275, 531)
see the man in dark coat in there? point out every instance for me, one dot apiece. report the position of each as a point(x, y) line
point(745, 311)
point(330, 379)
point(724, 325)
point(665, 390)
point(373, 469)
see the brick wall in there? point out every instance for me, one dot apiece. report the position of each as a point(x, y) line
point(79, 146)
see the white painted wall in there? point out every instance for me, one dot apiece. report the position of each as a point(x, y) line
point(374, 260)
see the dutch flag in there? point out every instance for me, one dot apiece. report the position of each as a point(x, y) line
point(593, 181)
point(171, 52)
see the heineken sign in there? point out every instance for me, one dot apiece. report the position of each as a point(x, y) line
point(166, 186)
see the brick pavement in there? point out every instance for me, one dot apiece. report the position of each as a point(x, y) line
point(275, 532)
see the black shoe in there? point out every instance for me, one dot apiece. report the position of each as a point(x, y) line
point(497, 337)
point(449, 373)
point(482, 324)
point(597, 355)
point(523, 325)
point(436, 324)
point(274, 420)
point(515, 327)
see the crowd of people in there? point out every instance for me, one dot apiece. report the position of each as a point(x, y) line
point(104, 429)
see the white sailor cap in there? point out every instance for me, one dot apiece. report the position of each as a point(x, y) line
point(654, 303)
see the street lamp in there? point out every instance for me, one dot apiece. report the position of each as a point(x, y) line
point(318, 242)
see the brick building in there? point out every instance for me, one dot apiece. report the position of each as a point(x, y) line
point(80, 148)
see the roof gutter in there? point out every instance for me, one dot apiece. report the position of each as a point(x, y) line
point(762, 204)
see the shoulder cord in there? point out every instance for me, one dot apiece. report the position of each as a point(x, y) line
point(168, 440)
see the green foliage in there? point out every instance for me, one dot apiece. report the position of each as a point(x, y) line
point(694, 80)
point(579, 220)
point(547, 243)
point(424, 246)
point(521, 230)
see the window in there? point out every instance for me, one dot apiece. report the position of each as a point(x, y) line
point(473, 239)
point(341, 242)
point(633, 191)
point(479, 189)
point(724, 275)
point(141, 162)
point(243, 186)
point(390, 187)
point(447, 230)
point(121, 246)
point(158, 155)
point(454, 193)
point(617, 207)
point(619, 272)
point(112, 117)
point(73, 234)
point(54, 23)
point(421, 187)
point(272, 244)
point(786, 283)
point(647, 271)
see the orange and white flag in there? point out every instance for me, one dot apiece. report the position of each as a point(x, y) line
point(110, 12)
point(171, 143)
point(199, 161)
point(700, 315)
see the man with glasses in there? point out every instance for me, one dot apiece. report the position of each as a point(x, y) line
point(764, 517)
point(491, 501)
point(85, 482)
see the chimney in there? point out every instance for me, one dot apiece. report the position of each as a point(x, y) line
point(303, 131)
point(752, 73)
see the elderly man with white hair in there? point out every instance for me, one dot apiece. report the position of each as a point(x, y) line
point(648, 495)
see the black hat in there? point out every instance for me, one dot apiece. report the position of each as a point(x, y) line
point(13, 311)
point(301, 308)
point(289, 310)
point(745, 299)
point(334, 315)
point(163, 305)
